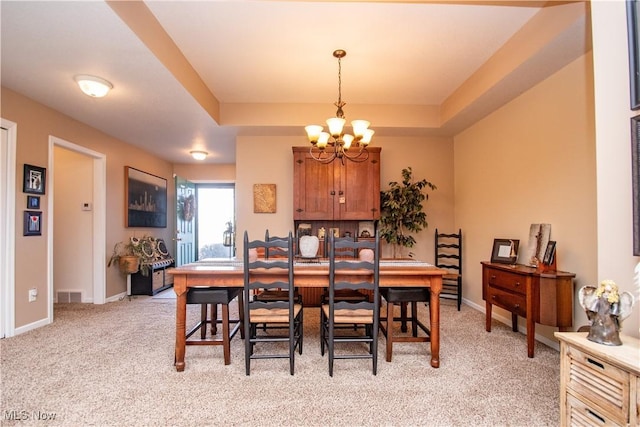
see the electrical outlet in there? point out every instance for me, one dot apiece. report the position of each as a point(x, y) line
point(33, 294)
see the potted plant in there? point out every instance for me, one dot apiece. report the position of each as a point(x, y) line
point(401, 211)
point(125, 257)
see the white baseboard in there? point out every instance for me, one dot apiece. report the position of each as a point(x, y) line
point(507, 321)
point(117, 297)
point(31, 326)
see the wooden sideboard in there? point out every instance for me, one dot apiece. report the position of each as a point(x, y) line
point(540, 297)
point(599, 384)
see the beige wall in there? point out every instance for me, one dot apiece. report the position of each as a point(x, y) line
point(269, 160)
point(613, 139)
point(206, 172)
point(73, 227)
point(35, 123)
point(531, 161)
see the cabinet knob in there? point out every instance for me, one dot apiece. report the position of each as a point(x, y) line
point(517, 284)
point(517, 306)
point(341, 192)
point(298, 210)
point(332, 192)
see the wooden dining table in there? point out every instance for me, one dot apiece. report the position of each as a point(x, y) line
point(230, 273)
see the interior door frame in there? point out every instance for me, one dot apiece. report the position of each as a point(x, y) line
point(8, 227)
point(99, 219)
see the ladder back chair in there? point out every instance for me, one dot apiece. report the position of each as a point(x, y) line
point(338, 313)
point(268, 274)
point(448, 253)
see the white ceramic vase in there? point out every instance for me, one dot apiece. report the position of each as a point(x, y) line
point(309, 246)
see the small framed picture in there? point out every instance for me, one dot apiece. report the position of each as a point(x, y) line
point(335, 231)
point(505, 251)
point(32, 223)
point(34, 179)
point(549, 253)
point(33, 202)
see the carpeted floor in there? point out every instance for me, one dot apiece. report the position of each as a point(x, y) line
point(112, 365)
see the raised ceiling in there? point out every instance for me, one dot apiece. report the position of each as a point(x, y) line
point(195, 74)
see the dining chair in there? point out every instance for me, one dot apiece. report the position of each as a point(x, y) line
point(338, 313)
point(448, 254)
point(276, 273)
point(353, 295)
point(212, 297)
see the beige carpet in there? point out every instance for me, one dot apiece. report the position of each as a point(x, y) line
point(112, 365)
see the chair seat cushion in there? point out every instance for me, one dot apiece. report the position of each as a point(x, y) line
point(406, 294)
point(351, 316)
point(347, 295)
point(212, 295)
point(274, 295)
point(272, 315)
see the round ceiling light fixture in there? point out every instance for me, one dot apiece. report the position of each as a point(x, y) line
point(198, 154)
point(93, 86)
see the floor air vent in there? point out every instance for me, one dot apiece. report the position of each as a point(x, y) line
point(69, 296)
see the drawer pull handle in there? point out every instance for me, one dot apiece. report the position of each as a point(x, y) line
point(516, 306)
point(517, 284)
point(594, 415)
point(595, 362)
point(493, 276)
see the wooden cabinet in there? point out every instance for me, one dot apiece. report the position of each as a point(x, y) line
point(336, 191)
point(599, 384)
point(539, 297)
point(156, 281)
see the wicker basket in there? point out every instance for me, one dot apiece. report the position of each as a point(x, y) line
point(129, 264)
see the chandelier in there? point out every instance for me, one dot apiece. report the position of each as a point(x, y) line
point(336, 144)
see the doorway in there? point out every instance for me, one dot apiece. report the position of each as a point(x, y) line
point(215, 220)
point(88, 206)
point(8, 132)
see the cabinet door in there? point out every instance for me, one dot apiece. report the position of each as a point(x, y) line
point(358, 196)
point(313, 187)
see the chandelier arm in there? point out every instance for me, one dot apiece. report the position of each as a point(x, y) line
point(320, 158)
point(358, 157)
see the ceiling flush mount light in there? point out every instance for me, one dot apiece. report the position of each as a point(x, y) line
point(199, 155)
point(93, 86)
point(336, 144)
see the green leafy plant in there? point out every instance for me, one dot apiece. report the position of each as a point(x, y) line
point(401, 211)
point(141, 249)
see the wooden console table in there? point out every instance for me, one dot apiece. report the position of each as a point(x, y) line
point(540, 297)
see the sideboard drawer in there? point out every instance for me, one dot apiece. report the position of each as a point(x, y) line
point(514, 302)
point(508, 281)
point(599, 382)
point(580, 413)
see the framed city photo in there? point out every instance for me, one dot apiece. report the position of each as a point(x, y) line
point(146, 199)
point(635, 181)
point(32, 223)
point(34, 179)
point(633, 33)
point(33, 202)
point(505, 251)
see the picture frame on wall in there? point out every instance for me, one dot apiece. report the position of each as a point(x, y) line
point(633, 34)
point(635, 181)
point(33, 202)
point(32, 223)
point(505, 251)
point(34, 179)
point(146, 199)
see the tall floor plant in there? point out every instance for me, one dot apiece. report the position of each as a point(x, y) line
point(401, 211)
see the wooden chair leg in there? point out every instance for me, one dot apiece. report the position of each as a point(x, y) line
point(403, 316)
point(241, 314)
point(214, 319)
point(226, 346)
point(203, 321)
point(414, 318)
point(389, 330)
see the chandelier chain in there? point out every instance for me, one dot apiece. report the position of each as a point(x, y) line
point(340, 104)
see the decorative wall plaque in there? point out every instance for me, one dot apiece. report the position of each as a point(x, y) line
point(264, 198)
